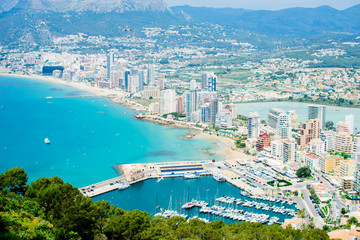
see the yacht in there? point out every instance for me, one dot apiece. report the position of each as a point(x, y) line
point(219, 177)
point(191, 175)
point(47, 141)
point(123, 185)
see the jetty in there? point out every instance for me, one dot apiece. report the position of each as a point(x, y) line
point(134, 173)
point(137, 172)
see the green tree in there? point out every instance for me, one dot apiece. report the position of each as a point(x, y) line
point(303, 172)
point(13, 181)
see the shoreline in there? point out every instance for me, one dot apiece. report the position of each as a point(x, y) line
point(226, 148)
point(112, 95)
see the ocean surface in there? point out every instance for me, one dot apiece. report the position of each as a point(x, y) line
point(89, 135)
point(334, 114)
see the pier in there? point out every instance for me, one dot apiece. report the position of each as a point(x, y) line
point(134, 173)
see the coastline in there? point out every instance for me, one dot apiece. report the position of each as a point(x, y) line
point(226, 145)
point(114, 96)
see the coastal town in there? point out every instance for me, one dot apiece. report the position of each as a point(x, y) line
point(313, 163)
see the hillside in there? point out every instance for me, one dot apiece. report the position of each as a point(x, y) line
point(292, 22)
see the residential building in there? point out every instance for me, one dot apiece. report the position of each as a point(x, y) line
point(289, 151)
point(308, 131)
point(168, 101)
point(316, 146)
point(151, 92)
point(224, 118)
point(204, 81)
point(328, 137)
point(283, 127)
point(151, 75)
point(342, 127)
point(317, 111)
point(347, 168)
point(330, 164)
point(312, 161)
point(263, 141)
point(253, 125)
point(212, 82)
point(277, 149)
point(154, 108)
point(343, 142)
point(349, 120)
point(273, 116)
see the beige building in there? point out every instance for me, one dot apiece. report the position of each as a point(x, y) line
point(308, 131)
point(330, 163)
point(343, 142)
point(347, 168)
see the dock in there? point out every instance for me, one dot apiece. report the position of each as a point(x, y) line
point(138, 172)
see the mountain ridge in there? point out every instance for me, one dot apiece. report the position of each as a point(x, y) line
point(84, 5)
point(291, 22)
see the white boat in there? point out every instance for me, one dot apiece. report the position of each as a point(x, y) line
point(47, 141)
point(219, 177)
point(191, 175)
point(123, 185)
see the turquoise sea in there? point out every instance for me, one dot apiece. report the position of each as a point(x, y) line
point(89, 135)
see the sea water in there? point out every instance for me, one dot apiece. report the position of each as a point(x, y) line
point(89, 135)
point(172, 193)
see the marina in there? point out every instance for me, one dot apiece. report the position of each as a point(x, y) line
point(202, 198)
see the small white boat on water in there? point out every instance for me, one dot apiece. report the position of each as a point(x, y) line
point(123, 185)
point(191, 175)
point(47, 141)
point(219, 177)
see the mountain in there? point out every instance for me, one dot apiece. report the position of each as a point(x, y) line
point(85, 5)
point(291, 22)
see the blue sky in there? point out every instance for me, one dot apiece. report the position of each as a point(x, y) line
point(265, 4)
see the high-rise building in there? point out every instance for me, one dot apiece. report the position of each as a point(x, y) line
point(263, 141)
point(308, 131)
point(151, 75)
point(328, 137)
point(317, 111)
point(167, 101)
point(212, 82)
point(277, 149)
point(349, 120)
point(151, 92)
point(127, 80)
point(342, 127)
point(343, 142)
point(204, 81)
point(109, 63)
point(161, 83)
point(232, 108)
point(214, 108)
point(253, 125)
point(141, 80)
point(283, 128)
point(223, 118)
point(179, 106)
point(289, 151)
point(273, 116)
point(205, 113)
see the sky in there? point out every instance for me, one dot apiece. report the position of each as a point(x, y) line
point(265, 4)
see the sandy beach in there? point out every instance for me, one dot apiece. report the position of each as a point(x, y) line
point(226, 147)
point(115, 96)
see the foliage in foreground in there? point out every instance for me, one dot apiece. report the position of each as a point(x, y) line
point(51, 209)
